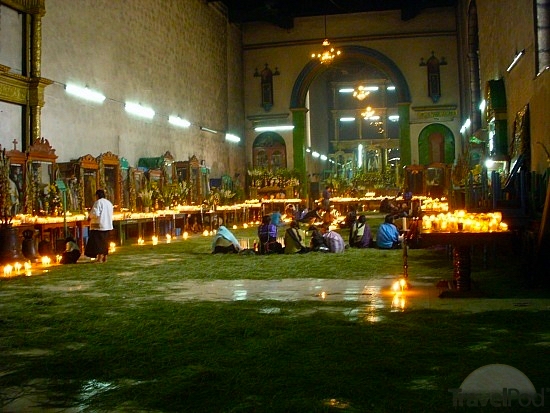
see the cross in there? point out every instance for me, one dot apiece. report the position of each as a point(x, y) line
point(14, 144)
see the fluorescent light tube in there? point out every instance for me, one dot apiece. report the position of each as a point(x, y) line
point(177, 121)
point(138, 110)
point(84, 93)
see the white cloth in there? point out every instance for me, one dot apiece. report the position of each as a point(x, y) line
point(101, 215)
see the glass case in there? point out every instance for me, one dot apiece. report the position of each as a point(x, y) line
point(110, 177)
point(41, 196)
point(18, 160)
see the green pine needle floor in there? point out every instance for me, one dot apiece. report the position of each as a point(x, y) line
point(97, 337)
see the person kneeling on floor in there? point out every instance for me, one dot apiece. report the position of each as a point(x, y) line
point(71, 253)
point(225, 242)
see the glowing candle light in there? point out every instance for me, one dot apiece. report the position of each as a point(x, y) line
point(205, 233)
point(46, 261)
point(185, 235)
point(112, 247)
point(155, 239)
point(17, 266)
point(168, 238)
point(8, 270)
point(58, 259)
point(245, 225)
point(141, 241)
point(28, 267)
point(234, 227)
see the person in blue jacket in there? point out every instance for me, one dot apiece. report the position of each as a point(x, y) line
point(387, 236)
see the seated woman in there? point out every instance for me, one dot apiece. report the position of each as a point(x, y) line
point(387, 236)
point(360, 233)
point(294, 239)
point(267, 234)
point(71, 253)
point(317, 242)
point(225, 242)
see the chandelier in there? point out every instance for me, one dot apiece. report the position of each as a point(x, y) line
point(361, 92)
point(368, 113)
point(329, 52)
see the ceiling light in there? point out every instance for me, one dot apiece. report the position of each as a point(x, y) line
point(232, 138)
point(329, 53)
point(177, 121)
point(203, 128)
point(368, 113)
point(138, 110)
point(361, 92)
point(84, 93)
point(274, 128)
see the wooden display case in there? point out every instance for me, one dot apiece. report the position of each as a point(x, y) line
point(110, 178)
point(40, 174)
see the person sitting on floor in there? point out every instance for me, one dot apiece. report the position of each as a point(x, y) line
point(71, 253)
point(225, 242)
point(334, 240)
point(387, 236)
point(360, 233)
point(267, 234)
point(294, 239)
point(317, 242)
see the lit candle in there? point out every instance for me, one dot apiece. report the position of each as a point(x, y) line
point(155, 239)
point(141, 241)
point(185, 235)
point(245, 225)
point(58, 259)
point(28, 267)
point(46, 261)
point(17, 266)
point(168, 238)
point(205, 233)
point(112, 247)
point(7, 270)
point(234, 226)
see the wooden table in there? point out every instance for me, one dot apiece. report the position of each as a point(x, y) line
point(462, 243)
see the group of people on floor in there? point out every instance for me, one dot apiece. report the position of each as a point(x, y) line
point(322, 238)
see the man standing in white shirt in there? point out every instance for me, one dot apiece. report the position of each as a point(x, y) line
point(101, 224)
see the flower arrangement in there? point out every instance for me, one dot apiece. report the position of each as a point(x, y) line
point(281, 178)
point(146, 196)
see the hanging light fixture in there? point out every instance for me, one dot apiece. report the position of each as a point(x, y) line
point(368, 113)
point(361, 92)
point(329, 52)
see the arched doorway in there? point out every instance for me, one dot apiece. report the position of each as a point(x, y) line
point(436, 144)
point(359, 56)
point(269, 151)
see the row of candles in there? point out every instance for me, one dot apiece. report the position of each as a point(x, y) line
point(26, 268)
point(464, 221)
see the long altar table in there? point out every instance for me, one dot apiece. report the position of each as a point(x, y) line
point(344, 205)
point(462, 243)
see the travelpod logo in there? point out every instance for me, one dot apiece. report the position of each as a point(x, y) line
point(497, 385)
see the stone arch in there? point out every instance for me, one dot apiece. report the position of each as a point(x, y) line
point(365, 54)
point(436, 144)
point(314, 68)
